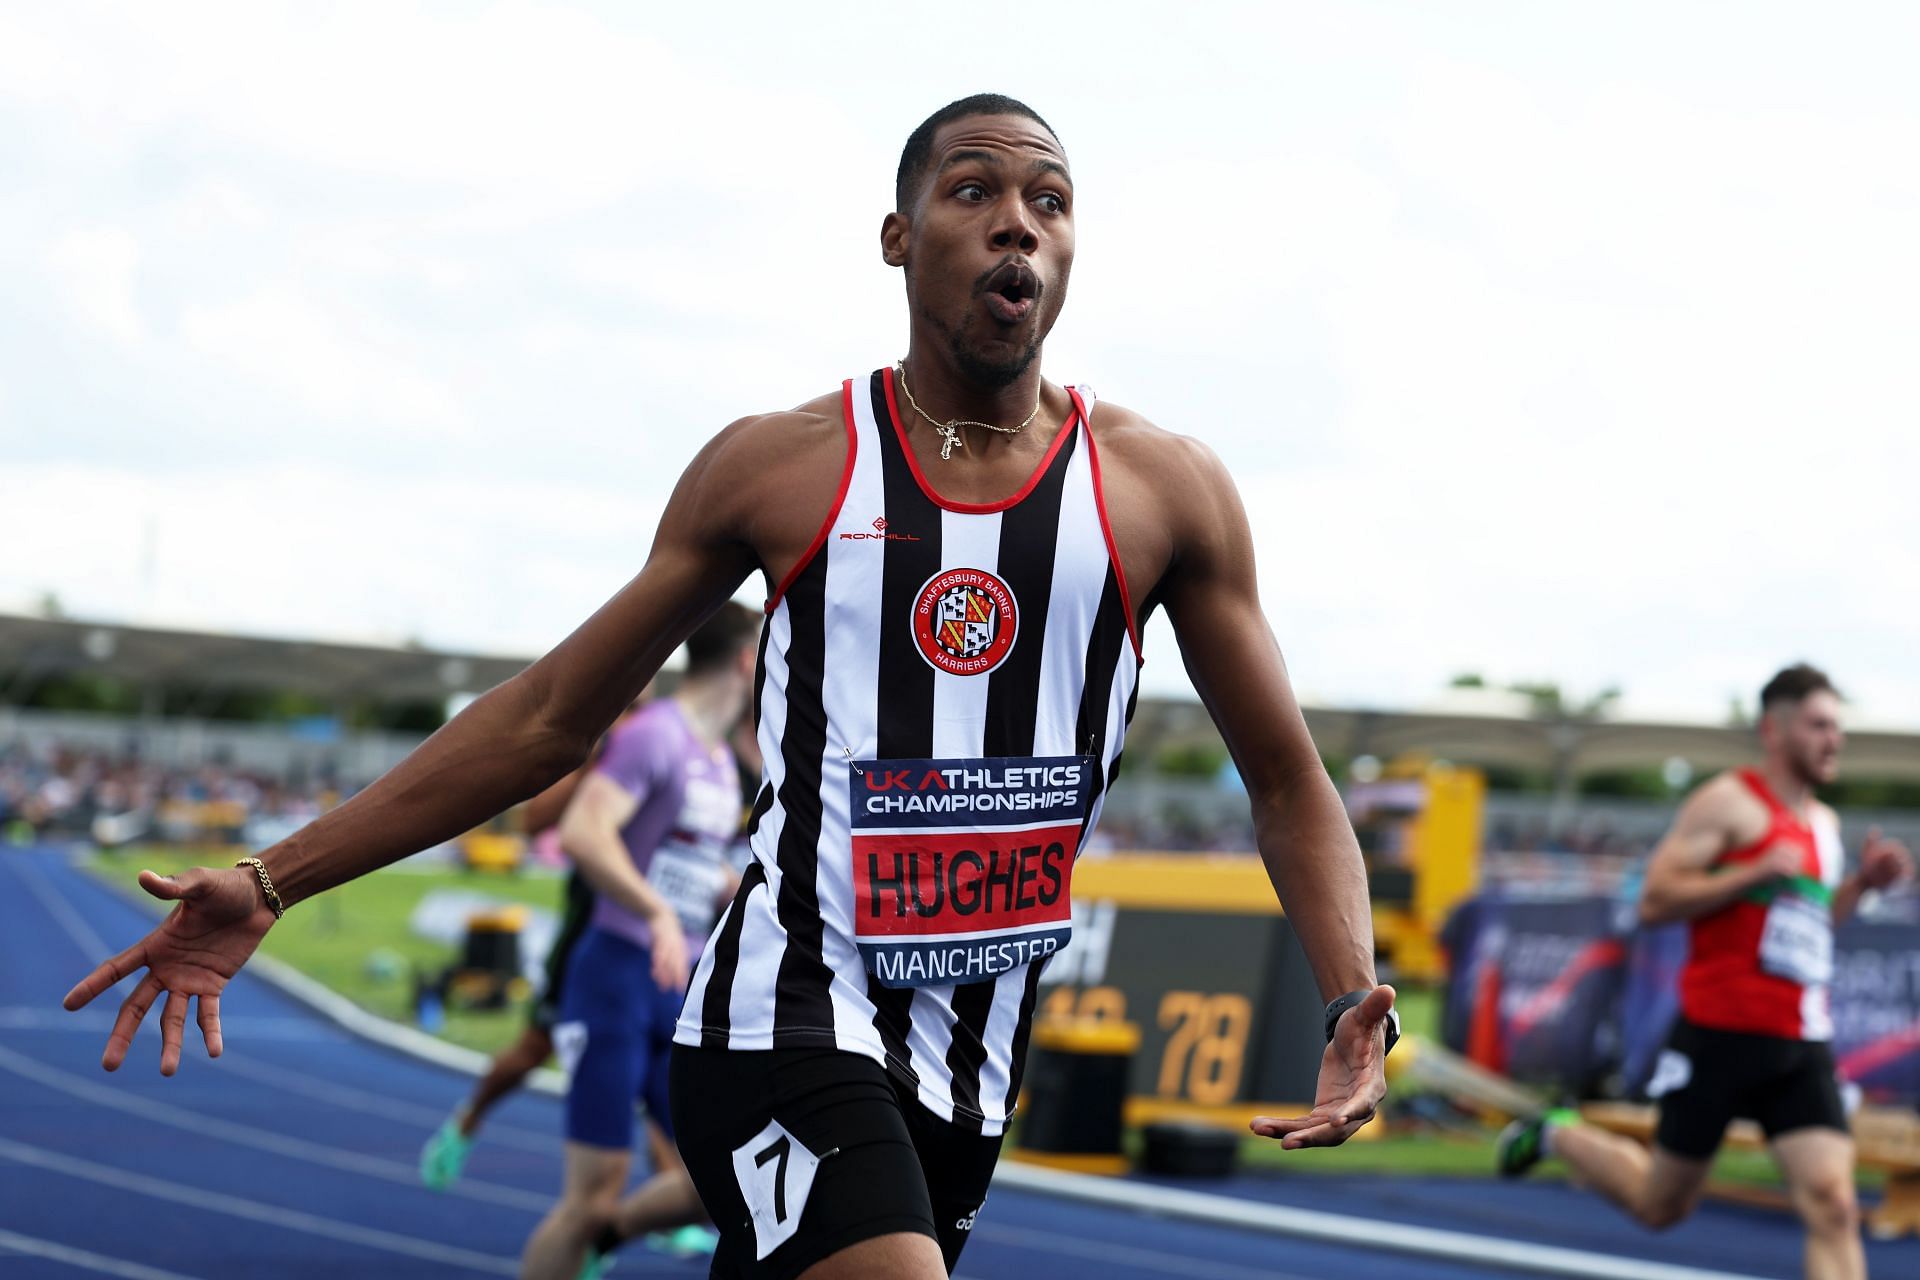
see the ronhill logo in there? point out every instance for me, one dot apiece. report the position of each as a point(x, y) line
point(879, 534)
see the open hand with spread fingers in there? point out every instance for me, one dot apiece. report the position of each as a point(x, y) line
point(193, 953)
point(1353, 1079)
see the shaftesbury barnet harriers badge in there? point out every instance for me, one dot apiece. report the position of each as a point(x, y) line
point(964, 621)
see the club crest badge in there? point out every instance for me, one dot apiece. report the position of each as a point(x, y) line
point(964, 621)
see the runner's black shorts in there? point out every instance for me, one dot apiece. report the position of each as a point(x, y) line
point(576, 913)
point(748, 1121)
point(1705, 1078)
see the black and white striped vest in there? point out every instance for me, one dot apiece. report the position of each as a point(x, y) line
point(942, 694)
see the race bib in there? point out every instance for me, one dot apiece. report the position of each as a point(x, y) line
point(1797, 943)
point(775, 1172)
point(963, 869)
point(690, 878)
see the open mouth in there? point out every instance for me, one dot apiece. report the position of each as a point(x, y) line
point(1011, 291)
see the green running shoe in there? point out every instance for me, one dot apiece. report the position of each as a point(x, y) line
point(692, 1241)
point(444, 1156)
point(1523, 1144)
point(596, 1265)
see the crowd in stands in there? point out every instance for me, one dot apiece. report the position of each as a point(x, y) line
point(63, 793)
point(1594, 838)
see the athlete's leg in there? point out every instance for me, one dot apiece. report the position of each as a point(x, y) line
point(667, 1199)
point(1699, 1086)
point(1658, 1188)
point(806, 1163)
point(603, 1042)
point(903, 1255)
point(1818, 1167)
point(664, 1201)
point(508, 1071)
point(1806, 1126)
point(958, 1163)
point(588, 1203)
point(444, 1156)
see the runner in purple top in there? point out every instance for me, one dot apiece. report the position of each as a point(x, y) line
point(650, 829)
point(686, 797)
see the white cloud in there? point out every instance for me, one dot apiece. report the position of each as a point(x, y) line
point(283, 339)
point(1539, 346)
point(94, 271)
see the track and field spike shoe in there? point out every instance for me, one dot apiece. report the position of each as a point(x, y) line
point(444, 1156)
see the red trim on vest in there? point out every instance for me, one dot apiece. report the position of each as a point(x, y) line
point(839, 499)
point(977, 508)
point(1106, 527)
point(1784, 824)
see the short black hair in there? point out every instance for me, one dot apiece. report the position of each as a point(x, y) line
point(1794, 683)
point(919, 148)
point(714, 643)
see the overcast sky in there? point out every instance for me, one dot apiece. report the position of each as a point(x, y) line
point(1575, 343)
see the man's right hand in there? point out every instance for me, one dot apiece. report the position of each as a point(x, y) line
point(669, 951)
point(220, 919)
point(1779, 861)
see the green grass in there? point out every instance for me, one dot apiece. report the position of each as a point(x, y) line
point(330, 937)
point(1419, 1008)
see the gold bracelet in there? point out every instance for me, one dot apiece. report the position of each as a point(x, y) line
point(266, 885)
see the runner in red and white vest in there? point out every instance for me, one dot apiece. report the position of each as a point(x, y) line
point(1761, 964)
point(1755, 866)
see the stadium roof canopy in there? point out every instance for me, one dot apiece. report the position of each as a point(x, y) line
point(1566, 747)
point(35, 649)
point(1483, 729)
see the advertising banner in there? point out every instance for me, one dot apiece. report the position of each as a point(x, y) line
point(1569, 993)
point(1534, 987)
point(1876, 1009)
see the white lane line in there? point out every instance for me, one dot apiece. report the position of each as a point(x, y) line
point(233, 1206)
point(1344, 1229)
point(416, 1044)
point(378, 1104)
point(151, 1111)
point(1173, 1264)
point(83, 1258)
point(89, 942)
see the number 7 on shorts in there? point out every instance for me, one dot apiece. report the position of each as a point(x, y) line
point(775, 1172)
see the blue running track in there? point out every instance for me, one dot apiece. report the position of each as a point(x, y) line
point(295, 1156)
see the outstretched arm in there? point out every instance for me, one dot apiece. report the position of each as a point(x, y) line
point(507, 746)
point(1212, 596)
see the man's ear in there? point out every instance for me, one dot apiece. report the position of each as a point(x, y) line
point(893, 239)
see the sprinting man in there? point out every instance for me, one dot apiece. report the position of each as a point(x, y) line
point(650, 828)
point(1754, 864)
point(959, 556)
point(444, 1156)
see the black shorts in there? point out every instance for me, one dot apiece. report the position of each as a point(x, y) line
point(576, 914)
point(1705, 1078)
point(753, 1123)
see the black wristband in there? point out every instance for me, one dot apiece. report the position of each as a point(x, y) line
point(1343, 1003)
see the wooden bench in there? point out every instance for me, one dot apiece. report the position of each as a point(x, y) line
point(1885, 1138)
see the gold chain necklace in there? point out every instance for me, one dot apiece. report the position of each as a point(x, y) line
point(950, 429)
